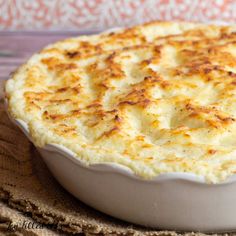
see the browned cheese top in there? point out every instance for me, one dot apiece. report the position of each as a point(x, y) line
point(156, 98)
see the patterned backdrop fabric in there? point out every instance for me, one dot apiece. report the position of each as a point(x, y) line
point(100, 14)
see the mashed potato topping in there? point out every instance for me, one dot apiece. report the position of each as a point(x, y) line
point(157, 98)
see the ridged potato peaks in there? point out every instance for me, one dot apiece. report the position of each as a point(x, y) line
point(156, 98)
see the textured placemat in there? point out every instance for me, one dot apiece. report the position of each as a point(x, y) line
point(27, 185)
point(13, 222)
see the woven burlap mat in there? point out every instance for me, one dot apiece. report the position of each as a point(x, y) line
point(29, 193)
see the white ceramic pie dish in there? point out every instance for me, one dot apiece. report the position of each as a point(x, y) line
point(174, 201)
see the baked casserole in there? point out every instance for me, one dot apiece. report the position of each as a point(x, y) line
point(156, 98)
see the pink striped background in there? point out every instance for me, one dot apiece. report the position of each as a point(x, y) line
point(100, 14)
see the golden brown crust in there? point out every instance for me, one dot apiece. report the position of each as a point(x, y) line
point(159, 97)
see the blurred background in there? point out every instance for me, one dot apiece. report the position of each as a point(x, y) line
point(102, 14)
point(28, 25)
